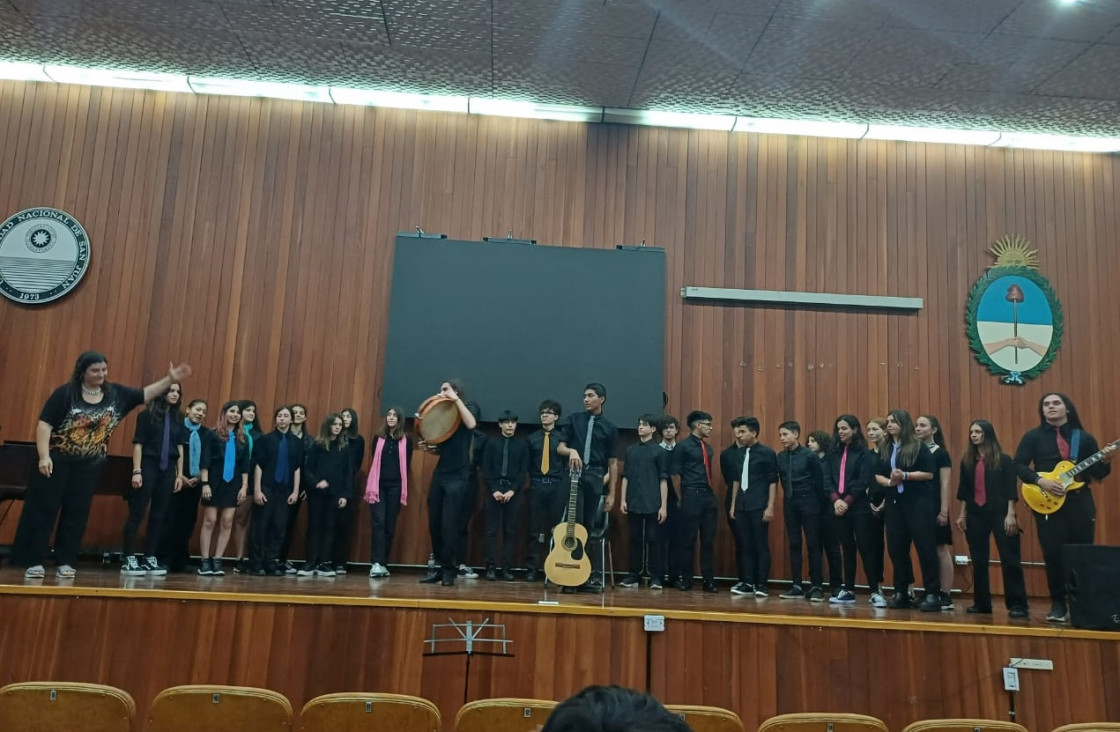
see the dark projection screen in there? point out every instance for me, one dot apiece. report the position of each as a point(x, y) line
point(521, 323)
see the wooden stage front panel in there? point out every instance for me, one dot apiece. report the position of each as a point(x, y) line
point(305, 637)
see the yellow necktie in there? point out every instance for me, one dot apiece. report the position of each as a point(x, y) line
point(544, 456)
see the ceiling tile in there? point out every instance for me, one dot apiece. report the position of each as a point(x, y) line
point(589, 84)
point(800, 47)
point(1069, 21)
point(296, 21)
point(1095, 75)
point(966, 16)
point(544, 45)
point(573, 17)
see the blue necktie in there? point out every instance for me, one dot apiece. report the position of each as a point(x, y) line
point(894, 465)
point(195, 447)
point(231, 458)
point(281, 474)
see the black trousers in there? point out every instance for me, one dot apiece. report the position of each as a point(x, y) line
point(340, 548)
point(802, 514)
point(548, 502)
point(669, 536)
point(645, 545)
point(383, 522)
point(156, 487)
point(324, 519)
point(740, 570)
point(502, 518)
point(699, 514)
point(1073, 523)
point(980, 524)
point(447, 516)
point(66, 496)
point(912, 519)
point(266, 531)
point(859, 530)
point(589, 512)
point(830, 545)
point(178, 527)
point(294, 511)
point(752, 539)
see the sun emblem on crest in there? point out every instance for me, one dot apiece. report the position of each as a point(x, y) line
point(1013, 251)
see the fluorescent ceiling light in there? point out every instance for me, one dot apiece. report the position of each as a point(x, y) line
point(118, 78)
point(272, 89)
point(1058, 142)
point(931, 134)
point(805, 127)
point(669, 119)
point(531, 110)
point(398, 100)
point(22, 72)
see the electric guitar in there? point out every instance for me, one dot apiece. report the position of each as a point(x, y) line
point(567, 563)
point(1065, 473)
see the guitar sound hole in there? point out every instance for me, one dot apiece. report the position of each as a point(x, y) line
point(569, 544)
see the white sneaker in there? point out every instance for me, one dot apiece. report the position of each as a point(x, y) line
point(378, 570)
point(877, 600)
point(467, 572)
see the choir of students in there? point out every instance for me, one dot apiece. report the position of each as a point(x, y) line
point(845, 497)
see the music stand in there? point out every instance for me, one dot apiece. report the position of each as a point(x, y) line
point(463, 642)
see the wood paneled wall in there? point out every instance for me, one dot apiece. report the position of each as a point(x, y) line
point(253, 238)
point(756, 670)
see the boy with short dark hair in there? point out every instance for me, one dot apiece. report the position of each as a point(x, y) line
point(548, 497)
point(644, 499)
point(692, 478)
point(802, 478)
point(505, 465)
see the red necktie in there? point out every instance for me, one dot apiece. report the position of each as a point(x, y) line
point(1063, 446)
point(981, 483)
point(843, 469)
point(707, 462)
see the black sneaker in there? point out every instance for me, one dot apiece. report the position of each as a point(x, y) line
point(655, 584)
point(242, 566)
point(289, 568)
point(947, 602)
point(931, 604)
point(340, 569)
point(431, 578)
point(629, 581)
point(491, 574)
point(1019, 613)
point(216, 567)
point(130, 567)
point(532, 576)
point(816, 595)
point(155, 569)
point(793, 593)
point(1058, 613)
point(742, 588)
point(507, 575)
point(204, 569)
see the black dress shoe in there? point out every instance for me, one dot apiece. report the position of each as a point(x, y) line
point(507, 575)
point(683, 586)
point(589, 588)
point(491, 575)
point(568, 590)
point(710, 586)
point(430, 578)
point(900, 601)
point(932, 604)
point(978, 610)
point(448, 579)
point(1019, 613)
point(532, 576)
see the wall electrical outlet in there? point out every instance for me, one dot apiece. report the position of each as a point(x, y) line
point(961, 560)
point(655, 623)
point(1010, 679)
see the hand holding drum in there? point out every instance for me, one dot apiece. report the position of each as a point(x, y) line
point(437, 419)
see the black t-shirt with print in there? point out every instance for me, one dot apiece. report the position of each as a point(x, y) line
point(81, 429)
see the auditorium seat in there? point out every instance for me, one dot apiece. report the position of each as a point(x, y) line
point(361, 711)
point(1090, 727)
point(45, 705)
point(964, 725)
point(707, 719)
point(219, 709)
point(503, 715)
point(822, 722)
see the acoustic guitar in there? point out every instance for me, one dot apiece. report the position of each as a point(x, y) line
point(567, 563)
point(1065, 473)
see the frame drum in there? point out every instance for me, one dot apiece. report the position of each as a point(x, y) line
point(437, 419)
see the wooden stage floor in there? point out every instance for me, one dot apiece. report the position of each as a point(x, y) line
point(404, 590)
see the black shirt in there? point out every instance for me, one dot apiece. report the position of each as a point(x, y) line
point(999, 485)
point(517, 465)
point(1038, 453)
point(536, 450)
point(356, 449)
point(455, 451)
point(646, 466)
point(859, 474)
point(923, 463)
point(604, 439)
point(214, 458)
point(762, 473)
point(81, 429)
point(332, 464)
point(149, 435)
point(800, 472)
point(390, 460)
point(266, 453)
point(687, 461)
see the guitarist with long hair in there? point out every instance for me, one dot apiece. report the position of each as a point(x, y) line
point(1060, 437)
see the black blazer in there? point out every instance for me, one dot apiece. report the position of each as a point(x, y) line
point(859, 474)
point(1001, 485)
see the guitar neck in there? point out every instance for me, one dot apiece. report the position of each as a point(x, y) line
point(573, 498)
point(1088, 462)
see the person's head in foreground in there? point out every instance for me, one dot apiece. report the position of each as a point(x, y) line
point(612, 709)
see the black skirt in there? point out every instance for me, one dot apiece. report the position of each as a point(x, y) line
point(223, 494)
